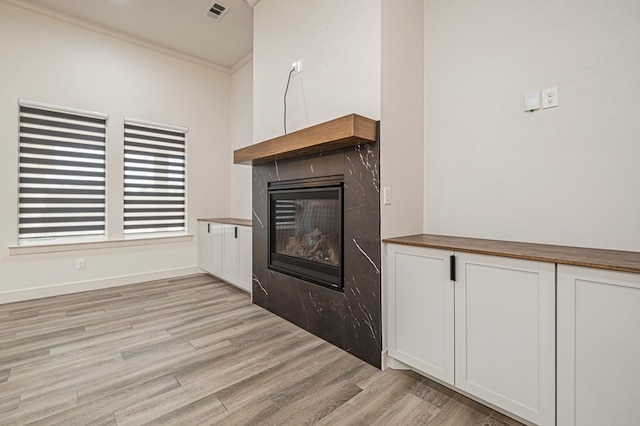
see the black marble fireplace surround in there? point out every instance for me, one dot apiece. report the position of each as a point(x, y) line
point(349, 318)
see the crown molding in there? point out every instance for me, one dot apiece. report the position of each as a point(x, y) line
point(241, 63)
point(110, 32)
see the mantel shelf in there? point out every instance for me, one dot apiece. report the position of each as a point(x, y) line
point(342, 132)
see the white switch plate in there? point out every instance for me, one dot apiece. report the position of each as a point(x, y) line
point(550, 97)
point(531, 101)
point(386, 195)
point(80, 264)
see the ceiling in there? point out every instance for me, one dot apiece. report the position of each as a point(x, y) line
point(179, 25)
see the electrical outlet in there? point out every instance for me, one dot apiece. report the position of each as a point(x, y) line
point(297, 66)
point(80, 264)
point(550, 97)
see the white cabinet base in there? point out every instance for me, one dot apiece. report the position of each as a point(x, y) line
point(490, 334)
point(505, 334)
point(598, 347)
point(245, 258)
point(421, 310)
point(225, 251)
point(210, 247)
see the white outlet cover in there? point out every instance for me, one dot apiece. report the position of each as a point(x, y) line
point(550, 97)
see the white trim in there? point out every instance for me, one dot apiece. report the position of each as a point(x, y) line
point(241, 63)
point(51, 107)
point(160, 126)
point(94, 245)
point(384, 357)
point(394, 364)
point(186, 185)
point(110, 32)
point(77, 287)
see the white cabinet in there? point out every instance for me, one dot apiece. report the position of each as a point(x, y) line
point(420, 301)
point(245, 258)
point(491, 333)
point(204, 246)
point(224, 250)
point(237, 257)
point(210, 247)
point(505, 333)
point(598, 347)
point(230, 257)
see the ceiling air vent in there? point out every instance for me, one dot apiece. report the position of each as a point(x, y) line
point(216, 10)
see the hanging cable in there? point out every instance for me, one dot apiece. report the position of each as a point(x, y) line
point(285, 100)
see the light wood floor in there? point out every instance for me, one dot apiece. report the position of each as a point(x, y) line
point(195, 351)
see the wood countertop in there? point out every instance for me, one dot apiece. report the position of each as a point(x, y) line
point(615, 260)
point(229, 221)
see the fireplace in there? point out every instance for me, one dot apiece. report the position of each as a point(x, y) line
point(305, 229)
point(316, 231)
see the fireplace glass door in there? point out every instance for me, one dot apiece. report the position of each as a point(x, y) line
point(305, 235)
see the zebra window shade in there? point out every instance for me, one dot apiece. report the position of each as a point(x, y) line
point(61, 187)
point(154, 180)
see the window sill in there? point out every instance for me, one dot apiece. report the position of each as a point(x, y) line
point(94, 245)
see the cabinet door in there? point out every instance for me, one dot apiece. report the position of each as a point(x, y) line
point(204, 246)
point(598, 347)
point(216, 249)
point(420, 309)
point(245, 264)
point(505, 333)
point(230, 255)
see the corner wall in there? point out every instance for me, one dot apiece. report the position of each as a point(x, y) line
point(58, 63)
point(567, 175)
point(241, 136)
point(402, 115)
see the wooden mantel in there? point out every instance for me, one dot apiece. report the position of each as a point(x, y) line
point(342, 132)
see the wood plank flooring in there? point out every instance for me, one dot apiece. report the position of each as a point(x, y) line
point(195, 351)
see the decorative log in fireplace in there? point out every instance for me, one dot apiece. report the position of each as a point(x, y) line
point(305, 229)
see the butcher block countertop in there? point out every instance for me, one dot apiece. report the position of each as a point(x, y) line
point(615, 260)
point(229, 221)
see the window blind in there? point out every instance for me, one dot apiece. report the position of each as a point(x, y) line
point(61, 175)
point(154, 179)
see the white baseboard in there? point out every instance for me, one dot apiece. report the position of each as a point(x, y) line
point(384, 364)
point(77, 287)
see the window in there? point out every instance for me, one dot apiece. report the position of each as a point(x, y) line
point(61, 174)
point(154, 178)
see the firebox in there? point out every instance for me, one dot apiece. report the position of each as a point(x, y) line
point(305, 229)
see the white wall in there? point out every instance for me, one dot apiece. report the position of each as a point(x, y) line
point(568, 175)
point(402, 113)
point(339, 43)
point(49, 61)
point(241, 136)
